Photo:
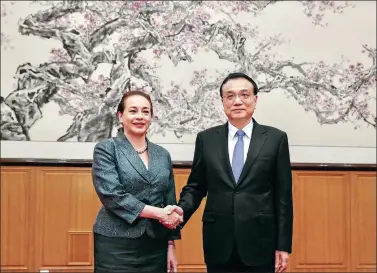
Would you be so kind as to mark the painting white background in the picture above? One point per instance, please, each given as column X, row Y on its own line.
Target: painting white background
column 309, row 141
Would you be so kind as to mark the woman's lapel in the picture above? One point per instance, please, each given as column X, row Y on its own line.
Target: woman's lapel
column 131, row 155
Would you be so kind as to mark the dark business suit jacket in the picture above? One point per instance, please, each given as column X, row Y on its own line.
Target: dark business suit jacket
column 124, row 185
column 256, row 213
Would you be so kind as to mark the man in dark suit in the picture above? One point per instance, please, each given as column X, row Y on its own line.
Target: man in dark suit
column 243, row 168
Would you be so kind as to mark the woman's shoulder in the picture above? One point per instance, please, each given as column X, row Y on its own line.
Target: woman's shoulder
column 107, row 143
column 159, row 149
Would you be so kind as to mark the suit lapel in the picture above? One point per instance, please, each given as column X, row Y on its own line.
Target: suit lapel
column 133, row 158
column 223, row 153
column 258, row 139
column 153, row 166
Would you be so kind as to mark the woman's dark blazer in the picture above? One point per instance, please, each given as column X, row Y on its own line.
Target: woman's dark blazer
column 124, row 185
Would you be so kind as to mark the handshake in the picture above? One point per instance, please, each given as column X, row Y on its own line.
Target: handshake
column 171, row 217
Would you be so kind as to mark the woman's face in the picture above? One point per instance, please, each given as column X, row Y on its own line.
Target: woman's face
column 136, row 116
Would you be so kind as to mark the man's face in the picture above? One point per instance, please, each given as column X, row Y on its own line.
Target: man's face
column 238, row 99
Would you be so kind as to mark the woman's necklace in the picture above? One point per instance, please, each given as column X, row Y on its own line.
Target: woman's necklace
column 144, row 150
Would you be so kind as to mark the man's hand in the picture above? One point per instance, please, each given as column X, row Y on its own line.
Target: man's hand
column 174, row 208
column 281, row 261
column 173, row 216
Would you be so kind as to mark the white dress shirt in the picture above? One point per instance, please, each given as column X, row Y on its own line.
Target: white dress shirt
column 232, row 139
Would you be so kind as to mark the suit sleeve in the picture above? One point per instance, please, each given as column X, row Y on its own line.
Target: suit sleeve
column 196, row 188
column 283, row 197
column 108, row 187
column 171, row 199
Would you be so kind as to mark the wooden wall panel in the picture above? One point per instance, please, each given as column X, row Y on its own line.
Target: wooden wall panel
column 47, row 215
column 321, row 230
column 66, row 208
column 16, row 206
column 189, row 248
column 363, row 222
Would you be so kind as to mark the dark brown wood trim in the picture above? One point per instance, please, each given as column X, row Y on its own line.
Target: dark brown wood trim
column 333, row 167
column 180, row 164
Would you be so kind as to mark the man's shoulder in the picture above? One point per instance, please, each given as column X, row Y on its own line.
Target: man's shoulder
column 215, row 129
column 211, row 130
column 271, row 130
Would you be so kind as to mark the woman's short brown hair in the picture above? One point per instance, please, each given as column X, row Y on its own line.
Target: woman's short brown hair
column 122, row 105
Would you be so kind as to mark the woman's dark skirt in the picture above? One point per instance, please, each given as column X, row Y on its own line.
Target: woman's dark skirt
column 143, row 254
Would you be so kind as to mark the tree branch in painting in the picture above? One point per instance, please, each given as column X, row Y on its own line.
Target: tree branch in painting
column 120, row 33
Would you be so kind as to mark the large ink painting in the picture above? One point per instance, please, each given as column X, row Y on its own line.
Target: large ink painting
column 66, row 64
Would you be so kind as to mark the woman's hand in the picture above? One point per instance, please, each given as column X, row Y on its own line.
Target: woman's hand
column 172, row 259
column 170, row 217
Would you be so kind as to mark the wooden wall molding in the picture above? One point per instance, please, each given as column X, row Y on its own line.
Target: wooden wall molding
column 79, row 246
column 47, row 213
column 180, row 164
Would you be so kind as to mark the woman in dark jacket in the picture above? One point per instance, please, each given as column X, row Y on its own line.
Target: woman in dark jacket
column 134, row 181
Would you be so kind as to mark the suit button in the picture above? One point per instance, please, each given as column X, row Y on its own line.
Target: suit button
column 236, row 192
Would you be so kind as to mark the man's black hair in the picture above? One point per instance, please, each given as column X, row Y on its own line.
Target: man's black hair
column 238, row 75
